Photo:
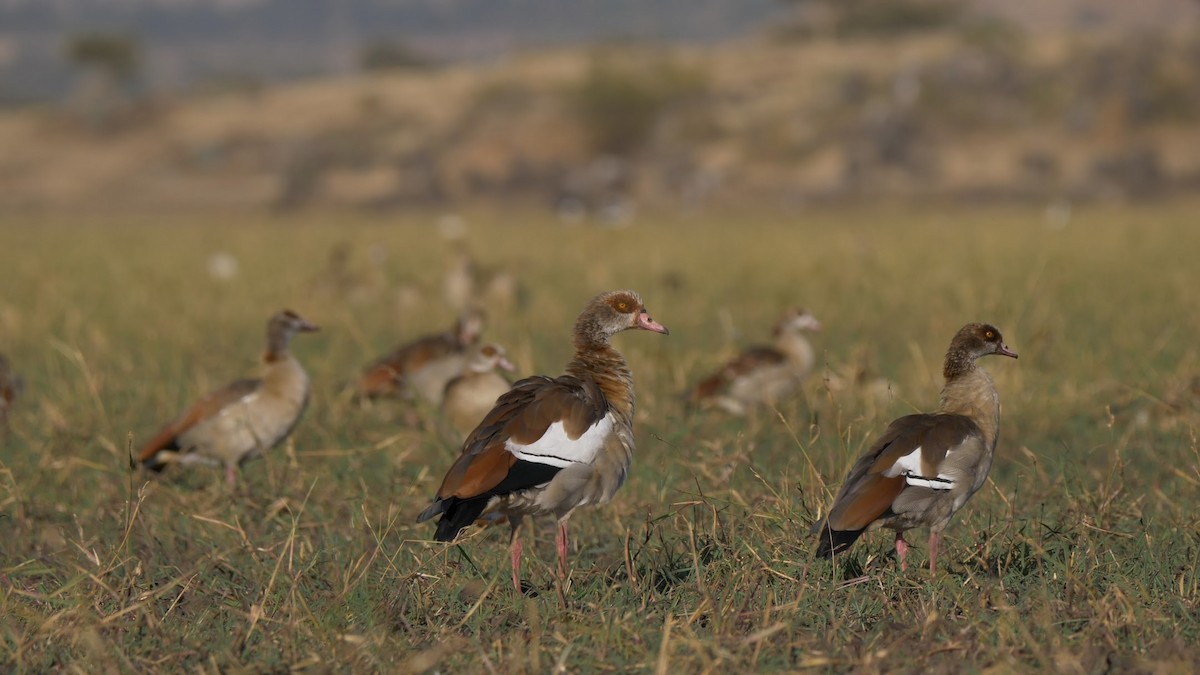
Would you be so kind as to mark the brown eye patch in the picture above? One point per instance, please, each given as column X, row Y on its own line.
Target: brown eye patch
column 488, row 350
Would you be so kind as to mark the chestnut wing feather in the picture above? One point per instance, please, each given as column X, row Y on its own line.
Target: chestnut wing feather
column 407, row 357
column 383, row 376
column 522, row 415
column 869, row 492
column 208, row 406
column 487, row 468
column 744, row 363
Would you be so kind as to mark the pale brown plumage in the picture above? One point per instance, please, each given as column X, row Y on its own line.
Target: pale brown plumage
column 473, row 393
column 925, row 467
column 422, row 368
column 763, row 375
column 243, row 418
column 551, row 445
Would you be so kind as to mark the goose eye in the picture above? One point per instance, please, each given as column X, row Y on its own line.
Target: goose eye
column 991, row 335
column 623, row 306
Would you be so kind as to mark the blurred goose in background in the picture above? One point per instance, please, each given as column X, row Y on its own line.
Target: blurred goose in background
column 857, row 379
column 926, row 466
column 243, row 418
column 422, row 368
column 347, row 279
column 473, row 393
column 468, row 283
column 11, row 386
column 763, row 375
column 551, row 445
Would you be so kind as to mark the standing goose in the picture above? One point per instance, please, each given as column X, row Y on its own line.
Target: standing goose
column 551, row 445
column 926, row 466
column 424, row 366
column 243, row 418
column 11, row 386
column 472, row 394
column 764, row 375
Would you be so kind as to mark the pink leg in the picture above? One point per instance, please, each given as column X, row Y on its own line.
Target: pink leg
column 231, row 475
column 902, row 551
column 560, row 543
column 935, row 540
column 515, row 545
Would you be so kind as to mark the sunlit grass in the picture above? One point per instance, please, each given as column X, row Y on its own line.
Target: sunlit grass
column 1079, row 553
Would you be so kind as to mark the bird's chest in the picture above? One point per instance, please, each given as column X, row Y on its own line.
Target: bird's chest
column 429, row 381
column 477, row 393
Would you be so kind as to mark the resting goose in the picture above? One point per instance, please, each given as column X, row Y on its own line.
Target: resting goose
column 763, row 375
column 423, row 367
column 243, row 418
column 473, row 393
column 925, row 467
column 551, row 445
column 467, row 282
column 11, row 386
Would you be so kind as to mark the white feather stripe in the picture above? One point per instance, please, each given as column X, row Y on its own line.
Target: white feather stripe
column 232, row 406
column 942, row 482
column 557, row 449
column 909, row 466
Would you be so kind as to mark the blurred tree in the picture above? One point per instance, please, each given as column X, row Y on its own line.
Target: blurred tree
column 117, row 55
column 873, row 18
column 620, row 103
column 109, row 64
column 391, row 55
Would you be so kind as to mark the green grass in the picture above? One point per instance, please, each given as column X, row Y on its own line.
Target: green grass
column 1078, row 555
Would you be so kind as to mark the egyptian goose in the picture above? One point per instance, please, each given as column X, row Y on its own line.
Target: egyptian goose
column 423, row 367
column 10, row 387
column 467, row 282
column 243, row 418
column 763, row 375
column 472, row 394
column 926, row 466
column 551, row 445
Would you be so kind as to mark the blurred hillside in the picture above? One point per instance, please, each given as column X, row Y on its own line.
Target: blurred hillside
column 198, row 43
column 194, row 43
column 812, row 108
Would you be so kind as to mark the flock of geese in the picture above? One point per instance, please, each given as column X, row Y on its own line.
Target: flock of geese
column 550, row 445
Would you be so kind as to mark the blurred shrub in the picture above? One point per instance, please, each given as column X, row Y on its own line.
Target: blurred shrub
column 115, row 54
column 107, row 65
column 619, row 103
column 894, row 17
column 391, row 55
column 1133, row 172
column 867, row 18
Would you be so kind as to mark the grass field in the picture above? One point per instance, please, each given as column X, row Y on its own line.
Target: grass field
column 1079, row 554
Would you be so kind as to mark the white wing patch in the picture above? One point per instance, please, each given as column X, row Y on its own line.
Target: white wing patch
column 906, row 465
column 232, row 406
column 909, row 466
column 557, row 449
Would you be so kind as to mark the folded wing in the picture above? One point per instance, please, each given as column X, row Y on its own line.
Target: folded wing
column 536, row 429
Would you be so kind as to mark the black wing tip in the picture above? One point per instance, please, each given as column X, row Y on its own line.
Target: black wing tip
column 436, row 508
column 152, row 464
column 447, row 530
column 457, row 515
column 835, row 541
column 155, row 462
